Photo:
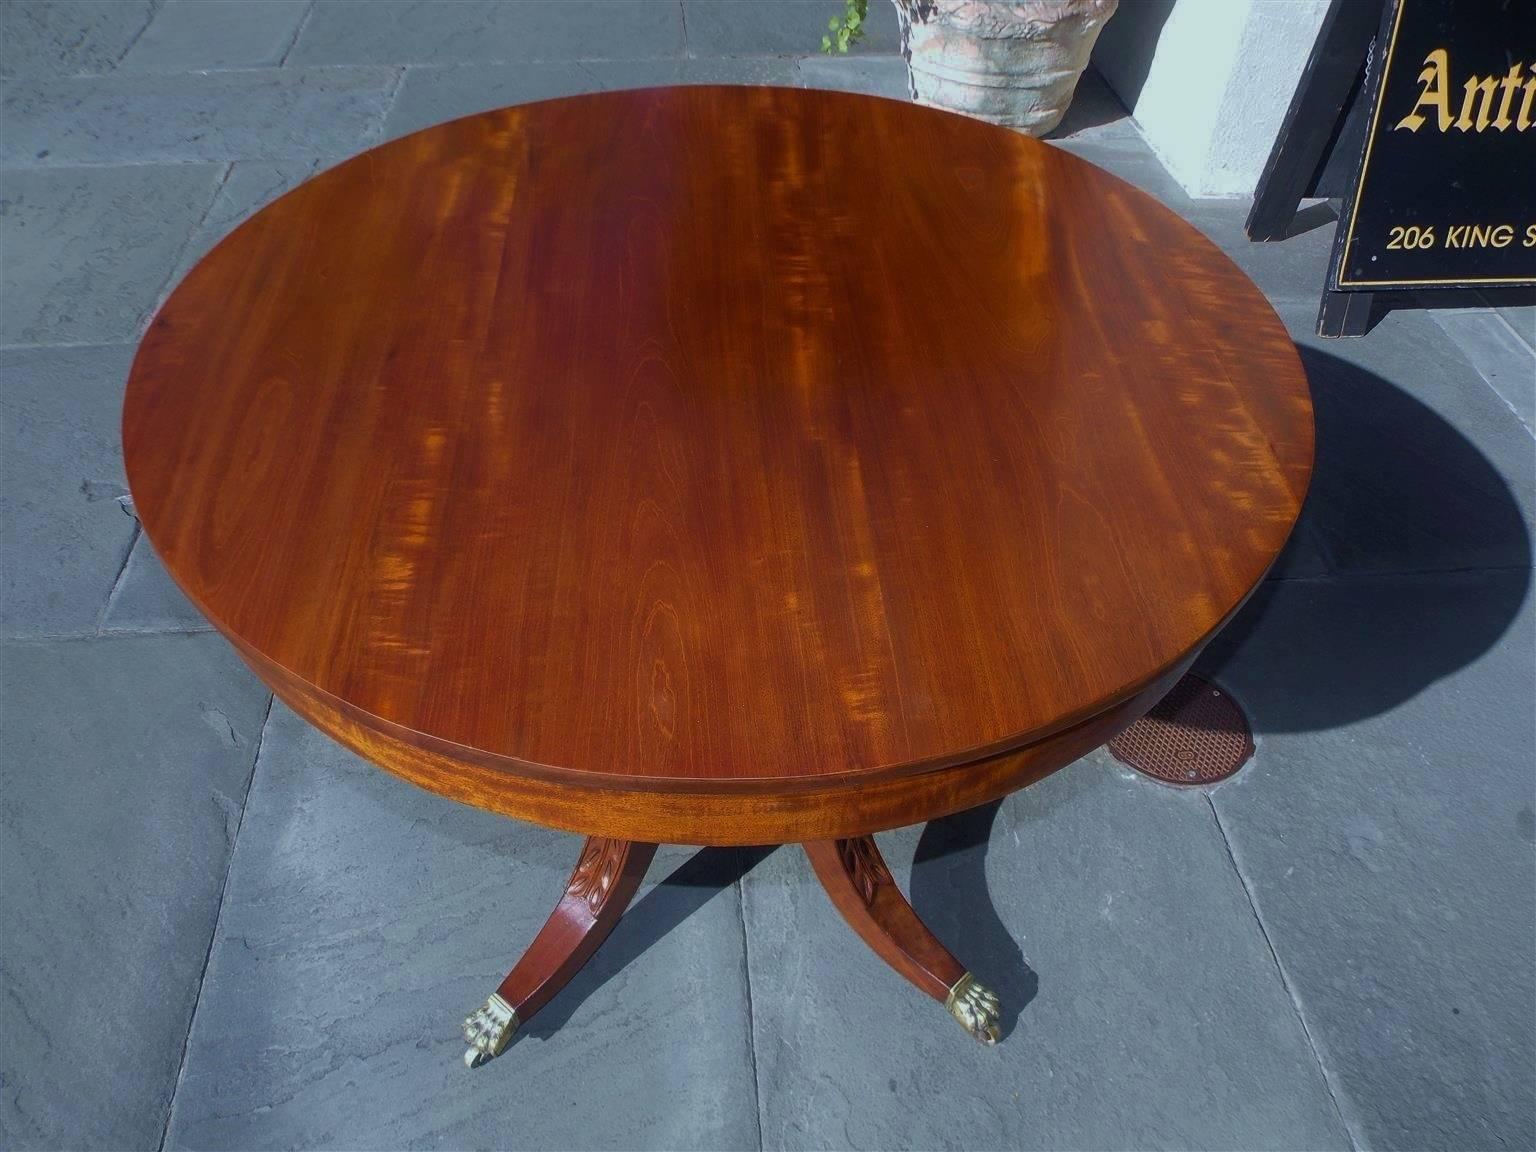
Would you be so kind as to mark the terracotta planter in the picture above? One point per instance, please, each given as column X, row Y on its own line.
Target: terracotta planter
column 1013, row 62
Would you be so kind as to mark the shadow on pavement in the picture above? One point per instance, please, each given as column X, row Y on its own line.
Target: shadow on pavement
column 684, row 891
column 1397, row 493
column 949, row 891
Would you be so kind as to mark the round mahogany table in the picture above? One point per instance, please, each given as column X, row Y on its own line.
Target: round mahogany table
column 718, row 466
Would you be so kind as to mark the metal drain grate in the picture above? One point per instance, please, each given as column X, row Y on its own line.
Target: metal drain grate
column 1196, row 734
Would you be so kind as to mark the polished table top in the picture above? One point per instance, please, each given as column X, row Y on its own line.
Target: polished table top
column 662, row 446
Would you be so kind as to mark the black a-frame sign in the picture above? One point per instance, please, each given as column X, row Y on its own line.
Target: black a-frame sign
column 1420, row 115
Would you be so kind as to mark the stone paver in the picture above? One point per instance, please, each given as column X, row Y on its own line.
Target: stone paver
column 1105, row 911
column 123, row 771
column 873, row 75
column 432, row 95
column 420, row 32
column 261, row 114
column 85, row 252
column 365, row 917
column 781, row 28
column 188, row 34
column 1501, row 357
column 63, row 531
column 146, row 599
column 68, row 37
column 1522, row 321
column 1387, row 831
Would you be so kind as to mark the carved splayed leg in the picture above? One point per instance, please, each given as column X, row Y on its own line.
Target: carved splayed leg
column 604, row 881
column 861, row 886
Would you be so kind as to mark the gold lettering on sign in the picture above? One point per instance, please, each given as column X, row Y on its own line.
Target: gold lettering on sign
column 1433, row 85
column 1467, row 236
column 1480, row 94
column 1475, row 87
column 1508, row 86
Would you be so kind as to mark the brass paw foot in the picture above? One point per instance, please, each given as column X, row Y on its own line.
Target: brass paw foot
column 976, row 1007
column 489, row 1029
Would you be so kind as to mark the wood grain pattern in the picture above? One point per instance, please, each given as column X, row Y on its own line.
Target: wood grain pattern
column 606, row 877
column 735, row 812
column 633, row 460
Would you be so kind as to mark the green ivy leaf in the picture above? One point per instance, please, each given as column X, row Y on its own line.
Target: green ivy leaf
column 847, row 30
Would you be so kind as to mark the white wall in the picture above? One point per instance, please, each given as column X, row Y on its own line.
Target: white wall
column 1208, row 81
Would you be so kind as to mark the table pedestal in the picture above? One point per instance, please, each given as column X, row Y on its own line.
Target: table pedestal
column 606, row 877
